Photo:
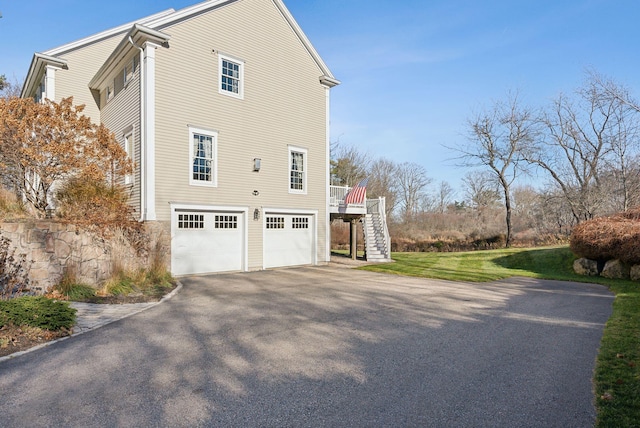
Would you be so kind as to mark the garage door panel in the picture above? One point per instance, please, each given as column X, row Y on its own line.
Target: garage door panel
column 206, row 242
column 288, row 240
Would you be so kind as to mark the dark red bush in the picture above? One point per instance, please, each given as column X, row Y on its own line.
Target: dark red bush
column 606, row 238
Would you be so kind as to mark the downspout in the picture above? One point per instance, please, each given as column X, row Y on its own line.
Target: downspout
column 143, row 136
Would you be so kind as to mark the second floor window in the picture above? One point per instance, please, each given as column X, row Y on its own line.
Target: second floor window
column 203, row 157
column 231, row 77
column 297, row 170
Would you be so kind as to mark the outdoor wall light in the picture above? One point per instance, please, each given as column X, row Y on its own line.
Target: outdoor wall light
column 256, row 164
column 256, row 214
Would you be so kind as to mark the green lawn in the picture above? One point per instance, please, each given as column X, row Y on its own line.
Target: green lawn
column 617, row 376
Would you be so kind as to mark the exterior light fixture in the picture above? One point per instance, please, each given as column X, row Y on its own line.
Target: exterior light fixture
column 256, row 214
column 256, row 164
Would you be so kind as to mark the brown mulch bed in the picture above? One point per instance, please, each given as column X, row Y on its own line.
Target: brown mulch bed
column 16, row 339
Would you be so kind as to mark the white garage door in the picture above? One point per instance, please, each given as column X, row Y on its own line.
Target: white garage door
column 288, row 240
column 207, row 241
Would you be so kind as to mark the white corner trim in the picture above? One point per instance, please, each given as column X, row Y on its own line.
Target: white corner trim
column 148, row 103
column 327, row 186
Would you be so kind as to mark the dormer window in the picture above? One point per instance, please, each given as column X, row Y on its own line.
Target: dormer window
column 231, row 73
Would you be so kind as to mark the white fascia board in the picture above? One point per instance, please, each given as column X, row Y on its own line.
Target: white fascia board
column 329, row 82
column 36, row 69
column 139, row 34
column 305, row 41
column 187, row 12
column 107, row 33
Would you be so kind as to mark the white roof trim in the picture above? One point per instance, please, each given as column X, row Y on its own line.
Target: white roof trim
column 187, row 12
column 305, row 41
column 38, row 63
column 107, row 33
column 139, row 34
column 168, row 17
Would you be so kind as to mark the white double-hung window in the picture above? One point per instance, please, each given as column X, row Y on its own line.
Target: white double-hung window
column 203, row 157
column 297, row 170
column 231, row 74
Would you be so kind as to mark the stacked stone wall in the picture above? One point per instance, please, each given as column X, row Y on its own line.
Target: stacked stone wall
column 51, row 248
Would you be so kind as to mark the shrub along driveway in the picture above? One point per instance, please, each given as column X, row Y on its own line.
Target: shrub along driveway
column 325, row 346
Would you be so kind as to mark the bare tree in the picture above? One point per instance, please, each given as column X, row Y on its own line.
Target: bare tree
column 496, row 138
column 578, row 143
column 348, row 165
column 383, row 183
column 625, row 143
column 443, row 197
column 412, row 182
column 527, row 206
column 480, row 190
column 9, row 88
column 556, row 214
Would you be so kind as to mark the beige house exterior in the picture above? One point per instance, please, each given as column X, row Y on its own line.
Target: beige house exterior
column 224, row 107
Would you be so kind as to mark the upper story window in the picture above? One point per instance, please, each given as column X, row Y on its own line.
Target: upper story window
column 297, row 170
column 121, row 79
column 203, row 157
column 129, row 69
column 231, row 76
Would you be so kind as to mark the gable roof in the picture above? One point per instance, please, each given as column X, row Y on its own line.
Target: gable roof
column 138, row 35
column 158, row 22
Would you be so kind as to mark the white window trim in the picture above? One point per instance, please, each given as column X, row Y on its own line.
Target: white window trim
column 305, row 159
column 130, row 149
column 240, row 94
column 214, row 174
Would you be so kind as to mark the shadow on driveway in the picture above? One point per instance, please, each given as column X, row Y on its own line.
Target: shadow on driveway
column 320, row 346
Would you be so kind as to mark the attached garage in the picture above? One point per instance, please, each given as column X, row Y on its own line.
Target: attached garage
column 289, row 238
column 208, row 239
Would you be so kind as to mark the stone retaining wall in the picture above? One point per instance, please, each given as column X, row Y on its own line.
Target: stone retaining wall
column 610, row 269
column 52, row 247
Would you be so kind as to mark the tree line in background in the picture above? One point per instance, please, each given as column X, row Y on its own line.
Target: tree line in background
column 585, row 146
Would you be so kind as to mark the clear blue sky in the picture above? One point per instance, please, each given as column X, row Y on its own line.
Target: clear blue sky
column 412, row 71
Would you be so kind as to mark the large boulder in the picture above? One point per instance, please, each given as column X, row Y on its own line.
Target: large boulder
column 586, row 267
column 615, row 269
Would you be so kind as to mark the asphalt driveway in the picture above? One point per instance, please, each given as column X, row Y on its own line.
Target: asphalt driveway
column 325, row 347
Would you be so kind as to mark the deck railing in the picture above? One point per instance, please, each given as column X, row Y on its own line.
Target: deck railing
column 337, row 195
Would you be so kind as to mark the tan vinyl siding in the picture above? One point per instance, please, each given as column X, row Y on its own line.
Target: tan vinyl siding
column 119, row 115
column 83, row 64
column 284, row 104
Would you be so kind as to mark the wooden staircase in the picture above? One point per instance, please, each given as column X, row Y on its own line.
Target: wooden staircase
column 376, row 234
